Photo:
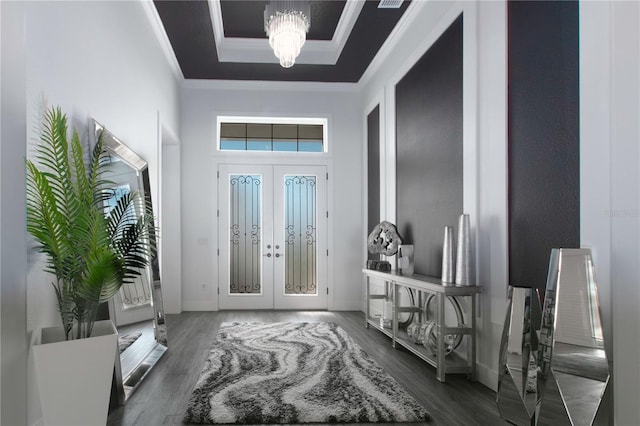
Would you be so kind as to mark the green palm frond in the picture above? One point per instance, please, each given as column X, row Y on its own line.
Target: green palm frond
column 90, row 255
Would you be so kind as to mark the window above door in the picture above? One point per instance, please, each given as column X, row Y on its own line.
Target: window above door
column 290, row 135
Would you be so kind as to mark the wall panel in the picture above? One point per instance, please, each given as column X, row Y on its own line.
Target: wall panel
column 429, row 149
column 543, row 126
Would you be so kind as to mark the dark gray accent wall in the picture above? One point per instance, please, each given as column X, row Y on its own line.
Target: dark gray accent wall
column 544, row 145
column 373, row 171
column 429, row 149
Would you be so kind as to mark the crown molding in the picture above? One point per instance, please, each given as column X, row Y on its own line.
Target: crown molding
column 247, row 50
column 156, row 24
column 391, row 42
column 255, row 85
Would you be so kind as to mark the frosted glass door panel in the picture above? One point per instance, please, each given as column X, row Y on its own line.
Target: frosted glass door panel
column 245, row 232
column 300, row 225
column 300, row 235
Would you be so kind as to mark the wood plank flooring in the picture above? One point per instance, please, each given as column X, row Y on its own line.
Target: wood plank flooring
column 162, row 398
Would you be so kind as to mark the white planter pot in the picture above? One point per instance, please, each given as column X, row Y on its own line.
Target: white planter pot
column 74, row 376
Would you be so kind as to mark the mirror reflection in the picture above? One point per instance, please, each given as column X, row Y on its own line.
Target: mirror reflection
column 136, row 310
column 574, row 370
column 517, row 396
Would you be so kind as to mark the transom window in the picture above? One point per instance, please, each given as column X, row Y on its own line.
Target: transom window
column 272, row 136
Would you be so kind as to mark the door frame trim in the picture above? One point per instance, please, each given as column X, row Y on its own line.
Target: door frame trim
column 258, row 158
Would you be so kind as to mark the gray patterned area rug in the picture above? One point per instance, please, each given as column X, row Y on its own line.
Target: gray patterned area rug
column 127, row 340
column 285, row 373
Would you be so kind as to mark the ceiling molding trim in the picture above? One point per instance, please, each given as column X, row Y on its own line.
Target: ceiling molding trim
column 253, row 50
column 390, row 43
column 253, row 85
column 215, row 10
column 161, row 35
column 348, row 19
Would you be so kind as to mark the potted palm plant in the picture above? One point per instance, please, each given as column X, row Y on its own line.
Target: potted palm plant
column 90, row 253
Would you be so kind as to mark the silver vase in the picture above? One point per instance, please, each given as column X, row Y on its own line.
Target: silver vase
column 463, row 258
column 447, row 256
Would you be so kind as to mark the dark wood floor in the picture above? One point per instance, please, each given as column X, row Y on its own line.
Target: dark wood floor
column 162, row 398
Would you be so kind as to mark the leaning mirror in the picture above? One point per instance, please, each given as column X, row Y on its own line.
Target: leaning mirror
column 136, row 310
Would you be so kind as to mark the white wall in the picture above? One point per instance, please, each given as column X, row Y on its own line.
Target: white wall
column 201, row 103
column 484, row 141
column 13, row 262
column 170, row 224
column 100, row 60
column 610, row 183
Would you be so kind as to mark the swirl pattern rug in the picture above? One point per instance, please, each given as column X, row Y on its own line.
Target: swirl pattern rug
column 127, row 340
column 283, row 373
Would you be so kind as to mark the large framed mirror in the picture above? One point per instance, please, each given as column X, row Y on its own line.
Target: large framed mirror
column 137, row 310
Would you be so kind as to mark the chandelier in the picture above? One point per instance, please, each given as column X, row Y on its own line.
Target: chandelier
column 286, row 23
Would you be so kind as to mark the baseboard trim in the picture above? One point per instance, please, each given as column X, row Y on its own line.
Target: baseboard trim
column 487, row 376
column 197, row 305
column 345, row 308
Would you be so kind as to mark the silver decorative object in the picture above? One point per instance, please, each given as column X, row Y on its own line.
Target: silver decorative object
column 424, row 327
column 384, row 239
column 429, row 337
column 463, row 259
column 447, row 256
column 572, row 362
column 453, row 318
column 412, row 329
column 517, row 396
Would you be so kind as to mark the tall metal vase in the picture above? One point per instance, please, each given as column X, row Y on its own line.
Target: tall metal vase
column 463, row 259
column 447, row 256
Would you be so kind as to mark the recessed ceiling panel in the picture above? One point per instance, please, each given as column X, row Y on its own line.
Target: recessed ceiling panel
column 190, row 32
column 245, row 19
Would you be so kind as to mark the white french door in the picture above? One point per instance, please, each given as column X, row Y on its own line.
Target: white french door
column 272, row 237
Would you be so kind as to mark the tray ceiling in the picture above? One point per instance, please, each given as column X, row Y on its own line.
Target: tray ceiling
column 221, row 39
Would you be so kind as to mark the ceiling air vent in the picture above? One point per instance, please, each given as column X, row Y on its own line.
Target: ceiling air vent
column 390, row 4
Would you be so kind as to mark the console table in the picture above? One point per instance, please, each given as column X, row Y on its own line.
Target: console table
column 423, row 287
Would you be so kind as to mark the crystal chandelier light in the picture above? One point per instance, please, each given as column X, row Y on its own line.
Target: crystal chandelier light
column 286, row 23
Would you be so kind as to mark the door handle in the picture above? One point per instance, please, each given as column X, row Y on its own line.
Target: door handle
column 269, row 255
column 277, row 254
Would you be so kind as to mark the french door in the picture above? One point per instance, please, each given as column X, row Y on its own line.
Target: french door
column 272, row 237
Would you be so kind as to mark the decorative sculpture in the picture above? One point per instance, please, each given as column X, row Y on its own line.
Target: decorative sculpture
column 384, row 239
column 572, row 361
column 517, row 396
